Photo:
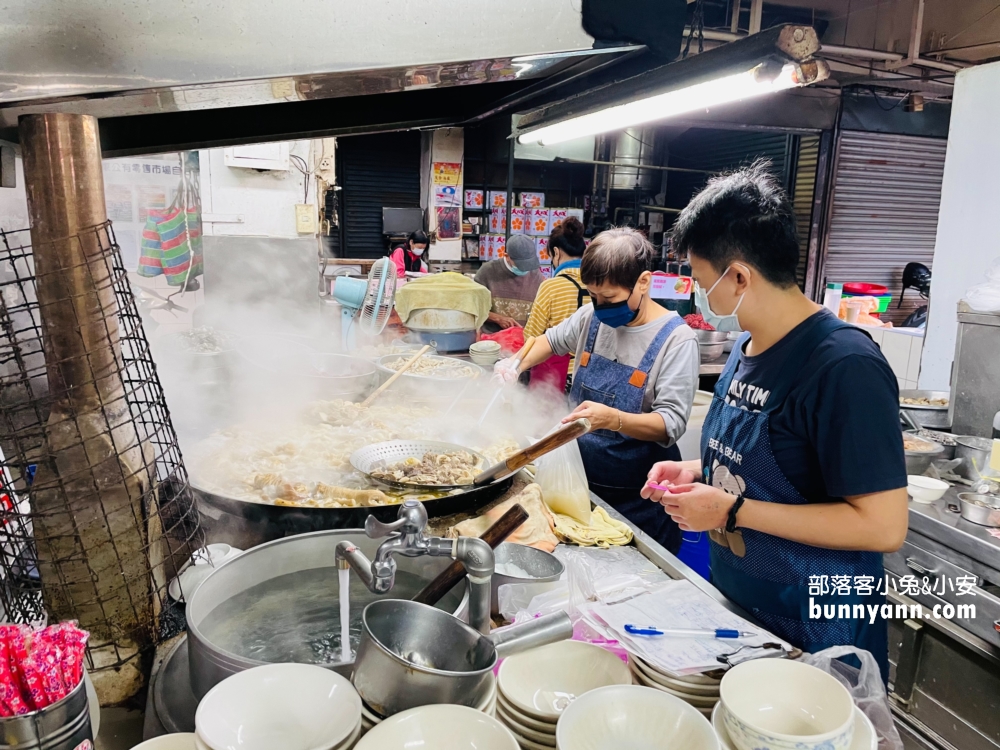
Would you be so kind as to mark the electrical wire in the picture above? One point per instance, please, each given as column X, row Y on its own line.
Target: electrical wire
column 301, row 165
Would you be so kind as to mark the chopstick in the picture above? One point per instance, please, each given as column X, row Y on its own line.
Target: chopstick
column 399, row 372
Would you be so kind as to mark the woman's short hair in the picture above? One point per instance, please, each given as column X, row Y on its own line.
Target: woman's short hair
column 617, row 256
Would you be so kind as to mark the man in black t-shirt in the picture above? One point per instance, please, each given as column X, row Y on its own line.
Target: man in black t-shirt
column 802, row 478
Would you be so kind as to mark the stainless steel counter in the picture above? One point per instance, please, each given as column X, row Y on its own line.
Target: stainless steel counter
column 936, row 522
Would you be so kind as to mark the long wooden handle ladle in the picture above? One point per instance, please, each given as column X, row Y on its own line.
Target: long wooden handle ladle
column 409, row 363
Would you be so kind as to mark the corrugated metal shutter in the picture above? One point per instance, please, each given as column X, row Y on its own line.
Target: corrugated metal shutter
column 802, row 198
column 886, row 195
column 720, row 150
column 376, row 171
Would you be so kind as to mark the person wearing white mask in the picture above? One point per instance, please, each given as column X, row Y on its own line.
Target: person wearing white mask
column 802, row 478
column 410, row 257
column 513, row 281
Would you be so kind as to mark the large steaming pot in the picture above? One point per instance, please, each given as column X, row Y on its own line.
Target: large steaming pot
column 210, row 664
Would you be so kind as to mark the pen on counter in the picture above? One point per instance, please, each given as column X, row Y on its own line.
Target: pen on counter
column 650, row 632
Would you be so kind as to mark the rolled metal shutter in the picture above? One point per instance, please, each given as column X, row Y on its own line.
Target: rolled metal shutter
column 885, row 201
column 376, row 171
column 802, row 198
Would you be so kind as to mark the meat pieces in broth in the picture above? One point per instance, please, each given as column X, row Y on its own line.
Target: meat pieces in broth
column 434, row 469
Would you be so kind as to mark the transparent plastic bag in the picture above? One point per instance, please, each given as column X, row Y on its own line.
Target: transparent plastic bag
column 985, row 297
column 865, row 686
column 564, row 482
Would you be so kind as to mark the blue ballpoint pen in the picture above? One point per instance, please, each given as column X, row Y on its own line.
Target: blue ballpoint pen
column 649, row 631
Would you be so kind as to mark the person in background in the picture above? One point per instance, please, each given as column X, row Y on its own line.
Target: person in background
column 802, row 477
column 409, row 257
column 558, row 298
column 513, row 281
column 635, row 379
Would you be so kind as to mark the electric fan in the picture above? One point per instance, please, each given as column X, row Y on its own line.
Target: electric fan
column 366, row 304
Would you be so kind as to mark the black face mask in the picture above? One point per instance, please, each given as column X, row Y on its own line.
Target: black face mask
column 616, row 314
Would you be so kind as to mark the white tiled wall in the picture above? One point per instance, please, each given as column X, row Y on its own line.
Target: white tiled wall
column 902, row 349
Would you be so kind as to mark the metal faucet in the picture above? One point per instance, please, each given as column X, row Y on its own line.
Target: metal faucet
column 406, row 537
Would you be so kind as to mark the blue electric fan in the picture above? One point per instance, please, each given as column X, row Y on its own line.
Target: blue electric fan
column 366, row 305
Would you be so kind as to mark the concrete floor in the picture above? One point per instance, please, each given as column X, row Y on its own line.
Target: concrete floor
column 121, row 729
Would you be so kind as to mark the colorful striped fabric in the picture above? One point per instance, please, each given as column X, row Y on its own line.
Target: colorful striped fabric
column 170, row 247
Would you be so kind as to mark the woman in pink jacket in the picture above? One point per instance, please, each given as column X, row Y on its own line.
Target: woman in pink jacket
column 409, row 257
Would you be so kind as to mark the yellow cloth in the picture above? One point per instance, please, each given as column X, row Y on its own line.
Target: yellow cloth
column 603, row 530
column 556, row 300
column 444, row 291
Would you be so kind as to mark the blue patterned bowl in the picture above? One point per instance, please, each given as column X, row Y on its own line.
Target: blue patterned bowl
column 779, row 704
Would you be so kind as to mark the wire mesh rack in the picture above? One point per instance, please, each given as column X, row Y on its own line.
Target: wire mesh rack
column 96, row 515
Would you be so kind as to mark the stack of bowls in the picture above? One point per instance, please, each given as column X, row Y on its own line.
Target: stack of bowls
column 631, row 716
column 698, row 690
column 287, row 706
column 484, row 353
column 711, row 344
column 535, row 687
column 488, row 706
column 788, row 705
column 439, row 727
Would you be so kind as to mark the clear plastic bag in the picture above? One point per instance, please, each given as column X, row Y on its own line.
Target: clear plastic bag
column 865, row 686
column 564, row 482
column 985, row 297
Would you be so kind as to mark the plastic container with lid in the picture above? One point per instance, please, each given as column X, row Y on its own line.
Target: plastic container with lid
column 864, row 289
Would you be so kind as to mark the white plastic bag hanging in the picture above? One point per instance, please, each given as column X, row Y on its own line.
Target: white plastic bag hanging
column 563, row 481
column 865, row 686
column 985, row 297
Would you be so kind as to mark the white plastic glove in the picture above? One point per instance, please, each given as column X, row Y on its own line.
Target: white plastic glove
column 505, row 371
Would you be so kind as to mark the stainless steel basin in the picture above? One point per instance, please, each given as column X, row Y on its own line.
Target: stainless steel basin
column 306, row 557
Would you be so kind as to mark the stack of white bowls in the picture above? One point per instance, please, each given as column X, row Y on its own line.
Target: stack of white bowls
column 701, row 691
column 488, row 706
column 534, row 688
column 484, row 353
column 632, row 716
column 287, row 706
column 781, row 704
column 439, row 727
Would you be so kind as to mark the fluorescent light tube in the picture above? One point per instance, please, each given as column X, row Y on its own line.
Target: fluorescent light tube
column 712, row 93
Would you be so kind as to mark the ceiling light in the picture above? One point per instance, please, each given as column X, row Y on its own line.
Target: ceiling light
column 757, row 81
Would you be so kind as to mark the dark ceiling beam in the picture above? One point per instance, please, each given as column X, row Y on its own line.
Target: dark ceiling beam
column 354, row 115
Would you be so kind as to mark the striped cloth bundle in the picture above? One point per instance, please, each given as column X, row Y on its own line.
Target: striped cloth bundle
column 171, row 247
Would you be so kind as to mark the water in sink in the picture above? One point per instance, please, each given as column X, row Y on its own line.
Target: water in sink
column 296, row 617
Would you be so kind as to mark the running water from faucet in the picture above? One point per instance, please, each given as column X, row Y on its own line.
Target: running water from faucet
column 345, row 614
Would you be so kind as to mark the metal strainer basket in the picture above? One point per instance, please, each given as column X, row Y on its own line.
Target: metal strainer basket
column 380, row 455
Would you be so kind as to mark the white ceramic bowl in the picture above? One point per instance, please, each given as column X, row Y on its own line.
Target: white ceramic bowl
column 631, row 716
column 547, row 727
column 168, row 742
column 925, row 489
column 701, row 702
column 864, row 738
column 782, row 704
column 679, row 686
column 439, row 727
column 542, row 682
column 291, row 706
column 522, row 732
column 486, row 346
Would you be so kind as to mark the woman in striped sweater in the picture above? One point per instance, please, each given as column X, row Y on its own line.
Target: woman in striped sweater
column 558, row 298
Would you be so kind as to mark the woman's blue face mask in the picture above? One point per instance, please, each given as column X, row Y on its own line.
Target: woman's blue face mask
column 616, row 314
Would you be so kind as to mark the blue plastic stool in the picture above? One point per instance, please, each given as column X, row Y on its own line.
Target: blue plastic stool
column 694, row 552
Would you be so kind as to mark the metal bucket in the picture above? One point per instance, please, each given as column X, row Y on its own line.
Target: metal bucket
column 210, row 663
column 65, row 725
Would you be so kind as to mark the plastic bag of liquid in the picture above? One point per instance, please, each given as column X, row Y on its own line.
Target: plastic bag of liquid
column 865, row 686
column 985, row 297
column 563, row 481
